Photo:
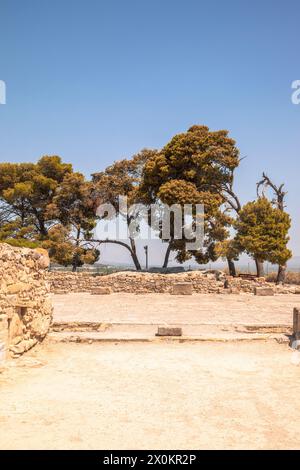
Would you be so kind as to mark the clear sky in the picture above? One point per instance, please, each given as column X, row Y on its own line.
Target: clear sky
column 94, row 81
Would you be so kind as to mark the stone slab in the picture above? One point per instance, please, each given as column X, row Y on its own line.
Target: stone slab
column 101, row 291
column 263, row 291
column 182, row 288
column 169, row 331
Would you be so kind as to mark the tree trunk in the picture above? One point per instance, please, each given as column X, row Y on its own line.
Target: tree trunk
column 259, row 268
column 134, row 255
column 167, row 255
column 76, row 260
column 281, row 273
column 125, row 245
column 136, row 261
column 231, row 267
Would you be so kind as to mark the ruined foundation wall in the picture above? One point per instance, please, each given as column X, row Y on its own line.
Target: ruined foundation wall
column 25, row 305
column 132, row 282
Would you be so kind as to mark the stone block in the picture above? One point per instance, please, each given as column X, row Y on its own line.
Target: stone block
column 168, row 331
column 234, row 290
column 101, row 291
column 263, row 291
column 43, row 258
column 182, row 288
column 18, row 287
column 296, row 323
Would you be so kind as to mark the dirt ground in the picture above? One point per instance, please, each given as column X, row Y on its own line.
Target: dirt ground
column 160, row 308
column 152, row 396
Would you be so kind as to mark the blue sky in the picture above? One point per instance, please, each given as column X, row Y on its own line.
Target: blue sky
column 96, row 81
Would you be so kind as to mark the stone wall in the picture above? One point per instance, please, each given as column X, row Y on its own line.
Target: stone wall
column 132, row 282
column 25, row 305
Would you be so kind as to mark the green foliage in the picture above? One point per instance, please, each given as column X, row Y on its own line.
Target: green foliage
column 262, row 231
column 193, row 168
column 199, row 156
column 47, row 204
column 15, row 234
column 28, row 188
column 122, row 178
column 62, row 249
column 36, row 197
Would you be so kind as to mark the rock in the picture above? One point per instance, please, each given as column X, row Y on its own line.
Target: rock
column 182, row 288
column 101, row 291
column 43, row 260
column 263, row 291
column 168, row 331
column 26, row 311
column 234, row 290
column 17, row 288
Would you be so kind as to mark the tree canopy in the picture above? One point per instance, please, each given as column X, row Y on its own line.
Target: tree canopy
column 193, row 168
column 262, row 231
column 47, row 204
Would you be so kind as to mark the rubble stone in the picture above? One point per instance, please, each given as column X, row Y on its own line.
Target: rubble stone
column 202, row 282
column 25, row 306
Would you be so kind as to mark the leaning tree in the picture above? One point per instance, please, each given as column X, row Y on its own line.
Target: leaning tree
column 122, row 178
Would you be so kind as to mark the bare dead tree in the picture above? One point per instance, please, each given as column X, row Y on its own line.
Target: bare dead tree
column 279, row 194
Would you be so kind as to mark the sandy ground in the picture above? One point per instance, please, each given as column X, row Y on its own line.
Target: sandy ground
column 157, row 396
column 161, row 308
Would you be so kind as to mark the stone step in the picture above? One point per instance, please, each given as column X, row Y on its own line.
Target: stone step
column 110, row 336
column 150, row 329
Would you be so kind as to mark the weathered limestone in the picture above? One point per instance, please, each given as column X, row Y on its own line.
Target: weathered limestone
column 263, row 291
column 182, row 288
column 168, row 331
column 296, row 323
column 25, row 307
column 101, row 291
column 202, row 282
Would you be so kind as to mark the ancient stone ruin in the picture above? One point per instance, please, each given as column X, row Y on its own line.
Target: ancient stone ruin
column 25, row 306
column 201, row 282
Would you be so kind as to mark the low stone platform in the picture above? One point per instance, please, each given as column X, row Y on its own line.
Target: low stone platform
column 164, row 308
column 84, row 317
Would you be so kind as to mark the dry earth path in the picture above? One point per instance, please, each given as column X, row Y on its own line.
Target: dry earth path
column 161, row 308
column 148, row 395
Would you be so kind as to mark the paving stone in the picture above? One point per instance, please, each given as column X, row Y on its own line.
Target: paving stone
column 168, row 331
